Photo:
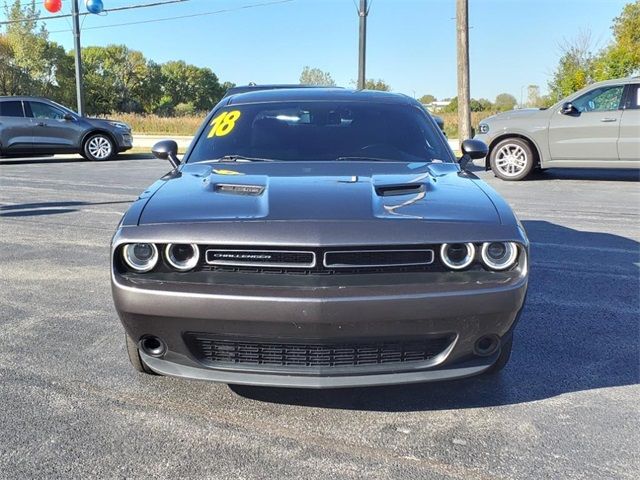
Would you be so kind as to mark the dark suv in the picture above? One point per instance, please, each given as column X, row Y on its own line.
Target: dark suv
column 32, row 125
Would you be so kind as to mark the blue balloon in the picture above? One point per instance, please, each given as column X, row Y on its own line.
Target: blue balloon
column 94, row 6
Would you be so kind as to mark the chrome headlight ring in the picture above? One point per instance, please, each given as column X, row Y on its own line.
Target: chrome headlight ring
column 176, row 260
column 464, row 262
column 503, row 261
column 143, row 260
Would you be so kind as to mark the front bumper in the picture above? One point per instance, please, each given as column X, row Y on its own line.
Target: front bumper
column 125, row 141
column 463, row 306
column 176, row 369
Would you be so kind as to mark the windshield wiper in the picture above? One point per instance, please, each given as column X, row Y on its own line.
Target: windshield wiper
column 238, row 158
column 365, row 159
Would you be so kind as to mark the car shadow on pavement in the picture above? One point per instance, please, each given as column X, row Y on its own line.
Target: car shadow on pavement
column 586, row 174
column 578, row 331
column 48, row 208
column 603, row 174
column 72, row 159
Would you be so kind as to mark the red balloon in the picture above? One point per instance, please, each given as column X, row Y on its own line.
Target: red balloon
column 53, row 6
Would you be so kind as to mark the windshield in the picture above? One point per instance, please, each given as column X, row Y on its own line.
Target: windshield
column 320, row 131
column 63, row 108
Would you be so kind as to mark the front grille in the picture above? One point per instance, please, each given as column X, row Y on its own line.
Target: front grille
column 377, row 258
column 320, row 261
column 221, row 352
column 261, row 258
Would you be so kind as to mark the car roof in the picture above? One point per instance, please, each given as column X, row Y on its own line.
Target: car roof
column 615, row 81
column 24, row 98
column 277, row 86
column 317, row 94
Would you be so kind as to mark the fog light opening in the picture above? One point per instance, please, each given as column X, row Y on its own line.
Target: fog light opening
column 486, row 345
column 153, row 346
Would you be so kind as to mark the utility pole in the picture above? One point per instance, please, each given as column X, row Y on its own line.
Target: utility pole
column 362, row 13
column 78, row 54
column 464, row 109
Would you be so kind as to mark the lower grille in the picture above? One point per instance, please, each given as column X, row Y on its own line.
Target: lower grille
column 217, row 351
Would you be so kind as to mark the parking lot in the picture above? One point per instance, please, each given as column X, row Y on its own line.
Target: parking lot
column 71, row 406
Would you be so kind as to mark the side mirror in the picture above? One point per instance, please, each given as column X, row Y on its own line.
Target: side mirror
column 472, row 149
column 68, row 117
column 167, row 150
column 568, row 109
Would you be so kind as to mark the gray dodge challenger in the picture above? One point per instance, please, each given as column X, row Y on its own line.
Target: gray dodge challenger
column 319, row 238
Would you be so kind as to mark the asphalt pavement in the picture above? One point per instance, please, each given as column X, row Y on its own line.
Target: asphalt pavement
column 567, row 406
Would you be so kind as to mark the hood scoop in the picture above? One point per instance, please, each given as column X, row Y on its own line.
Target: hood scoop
column 239, row 189
column 400, row 189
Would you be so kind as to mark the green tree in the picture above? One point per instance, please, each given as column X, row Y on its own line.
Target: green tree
column 185, row 83
column 480, row 105
column 59, row 82
column 379, row 84
column 452, row 107
column 227, row 86
column 622, row 57
column 505, row 101
column 115, row 79
column 152, row 94
column 12, row 78
column 28, row 45
column 427, row 99
column 315, row 76
column 484, row 105
column 575, row 67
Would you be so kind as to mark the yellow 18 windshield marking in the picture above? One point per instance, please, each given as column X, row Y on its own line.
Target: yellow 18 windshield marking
column 223, row 124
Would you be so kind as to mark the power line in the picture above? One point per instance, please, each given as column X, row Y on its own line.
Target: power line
column 106, row 10
column 178, row 17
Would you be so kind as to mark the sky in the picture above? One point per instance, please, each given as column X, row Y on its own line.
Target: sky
column 411, row 44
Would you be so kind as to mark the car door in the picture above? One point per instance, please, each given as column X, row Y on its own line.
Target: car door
column 15, row 127
column 51, row 131
column 629, row 141
column 590, row 133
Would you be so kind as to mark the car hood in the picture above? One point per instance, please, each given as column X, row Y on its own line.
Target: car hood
column 102, row 122
column 318, row 191
column 514, row 114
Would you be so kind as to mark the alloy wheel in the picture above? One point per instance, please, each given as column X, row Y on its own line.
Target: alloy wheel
column 511, row 160
column 99, row 147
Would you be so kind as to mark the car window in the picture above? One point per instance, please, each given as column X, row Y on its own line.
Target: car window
column 633, row 100
column 42, row 110
column 600, row 99
column 322, row 130
column 11, row 109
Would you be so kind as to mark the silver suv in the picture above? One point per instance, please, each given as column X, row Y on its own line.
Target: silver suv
column 596, row 127
column 32, row 125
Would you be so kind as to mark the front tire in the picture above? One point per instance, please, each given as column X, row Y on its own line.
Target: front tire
column 512, row 159
column 98, row 147
column 134, row 357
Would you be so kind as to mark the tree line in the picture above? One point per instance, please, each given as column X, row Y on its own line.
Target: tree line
column 116, row 78
column 579, row 65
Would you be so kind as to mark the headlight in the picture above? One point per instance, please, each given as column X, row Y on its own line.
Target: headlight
column 483, row 128
column 499, row 255
column 182, row 256
column 141, row 257
column 457, row 255
column 120, row 125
